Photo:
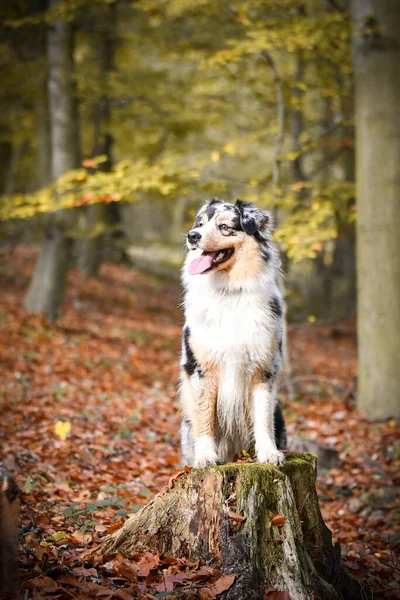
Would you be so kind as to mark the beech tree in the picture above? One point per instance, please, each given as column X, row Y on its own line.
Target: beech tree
column 190, row 99
column 376, row 58
column 48, row 283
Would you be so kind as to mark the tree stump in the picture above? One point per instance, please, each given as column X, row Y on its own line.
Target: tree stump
column 260, row 522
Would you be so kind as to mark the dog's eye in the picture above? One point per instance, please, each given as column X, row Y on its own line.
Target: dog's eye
column 224, row 227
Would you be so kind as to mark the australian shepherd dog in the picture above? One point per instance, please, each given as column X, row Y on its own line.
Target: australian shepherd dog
column 232, row 337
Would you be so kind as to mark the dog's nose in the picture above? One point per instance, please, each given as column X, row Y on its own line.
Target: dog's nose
column 193, row 236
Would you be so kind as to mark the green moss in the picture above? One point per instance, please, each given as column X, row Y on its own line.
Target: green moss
column 298, row 462
column 257, row 488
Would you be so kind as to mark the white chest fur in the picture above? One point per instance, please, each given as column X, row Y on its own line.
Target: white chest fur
column 234, row 327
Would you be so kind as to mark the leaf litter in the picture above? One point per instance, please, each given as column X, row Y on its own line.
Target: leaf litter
column 89, row 428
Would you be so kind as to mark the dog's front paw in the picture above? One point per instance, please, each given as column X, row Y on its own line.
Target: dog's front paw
column 204, row 461
column 204, row 452
column 271, row 457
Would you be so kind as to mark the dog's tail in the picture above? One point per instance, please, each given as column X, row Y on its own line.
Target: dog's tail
column 280, row 428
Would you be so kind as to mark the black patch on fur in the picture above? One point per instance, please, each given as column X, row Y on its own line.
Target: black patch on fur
column 211, row 210
column 236, row 223
column 191, row 364
column 215, row 201
column 276, row 307
column 280, row 347
column 268, row 375
column 248, row 223
column 265, row 251
column 279, row 428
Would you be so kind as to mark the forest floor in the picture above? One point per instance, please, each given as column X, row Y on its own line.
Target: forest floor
column 89, row 426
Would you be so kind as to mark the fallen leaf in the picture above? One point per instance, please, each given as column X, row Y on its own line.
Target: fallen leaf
column 174, row 477
column 222, row 584
column 273, row 594
column 235, row 517
column 62, row 429
column 115, row 526
column 206, row 594
column 278, row 520
column 43, row 583
column 82, row 572
column 125, row 569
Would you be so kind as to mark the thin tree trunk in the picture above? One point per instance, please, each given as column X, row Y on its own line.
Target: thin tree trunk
column 15, row 159
column 48, row 284
column 43, row 135
column 92, row 248
column 297, row 121
column 376, row 61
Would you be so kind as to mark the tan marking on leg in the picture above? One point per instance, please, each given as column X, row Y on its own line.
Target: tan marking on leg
column 203, row 406
column 185, row 393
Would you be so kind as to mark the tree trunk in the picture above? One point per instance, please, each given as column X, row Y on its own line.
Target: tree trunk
column 43, row 134
column 198, row 518
column 47, row 287
column 9, row 510
column 376, row 58
column 92, row 248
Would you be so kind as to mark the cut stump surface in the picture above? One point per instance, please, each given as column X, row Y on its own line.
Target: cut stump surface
column 260, row 522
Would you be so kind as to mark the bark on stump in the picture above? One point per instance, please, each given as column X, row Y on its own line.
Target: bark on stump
column 191, row 519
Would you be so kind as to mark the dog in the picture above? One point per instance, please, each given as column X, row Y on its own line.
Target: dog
column 231, row 355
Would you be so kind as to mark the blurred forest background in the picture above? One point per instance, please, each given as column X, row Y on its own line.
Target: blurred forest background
column 117, row 119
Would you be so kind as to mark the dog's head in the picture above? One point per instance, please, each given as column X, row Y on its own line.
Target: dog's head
column 225, row 234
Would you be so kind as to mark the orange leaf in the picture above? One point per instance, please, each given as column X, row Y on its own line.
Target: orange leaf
column 89, row 164
column 124, row 569
column 206, row 594
column 114, row 526
column 44, row 583
column 235, row 517
column 278, row 520
column 187, row 469
column 222, row 584
column 173, row 477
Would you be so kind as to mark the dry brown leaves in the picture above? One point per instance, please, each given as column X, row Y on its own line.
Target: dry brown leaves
column 107, row 372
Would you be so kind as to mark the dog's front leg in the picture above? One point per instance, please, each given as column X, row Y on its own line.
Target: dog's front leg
column 263, row 400
column 202, row 416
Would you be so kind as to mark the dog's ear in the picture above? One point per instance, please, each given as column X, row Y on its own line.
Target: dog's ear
column 252, row 218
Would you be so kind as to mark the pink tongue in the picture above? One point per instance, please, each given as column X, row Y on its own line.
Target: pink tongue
column 201, row 264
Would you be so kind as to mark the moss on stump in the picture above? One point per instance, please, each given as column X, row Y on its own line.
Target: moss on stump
column 282, row 541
